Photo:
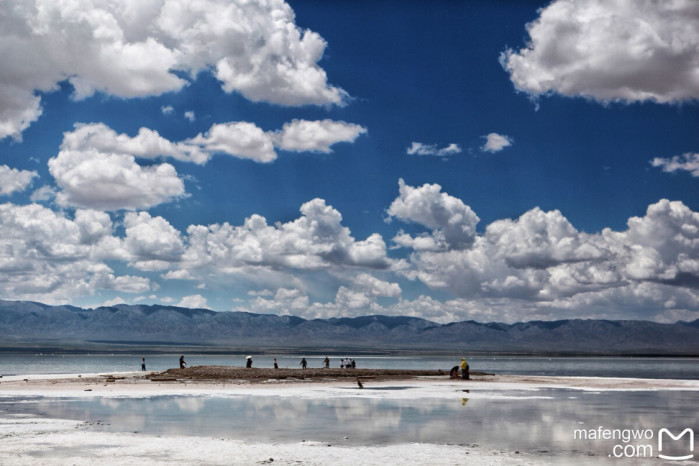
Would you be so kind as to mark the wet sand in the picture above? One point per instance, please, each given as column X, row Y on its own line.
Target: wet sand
column 210, row 380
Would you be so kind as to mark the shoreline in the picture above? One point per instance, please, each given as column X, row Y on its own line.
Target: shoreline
column 80, row 348
column 214, row 380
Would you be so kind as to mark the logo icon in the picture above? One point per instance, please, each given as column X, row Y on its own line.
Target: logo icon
column 675, row 437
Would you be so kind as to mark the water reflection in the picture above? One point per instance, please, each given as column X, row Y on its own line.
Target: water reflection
column 513, row 420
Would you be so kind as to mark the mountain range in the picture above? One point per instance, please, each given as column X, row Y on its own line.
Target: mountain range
column 31, row 325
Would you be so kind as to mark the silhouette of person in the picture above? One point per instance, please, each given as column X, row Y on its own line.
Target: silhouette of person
column 303, row 363
column 464, row 369
column 143, row 364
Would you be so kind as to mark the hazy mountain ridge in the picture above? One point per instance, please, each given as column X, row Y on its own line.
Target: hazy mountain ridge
column 136, row 323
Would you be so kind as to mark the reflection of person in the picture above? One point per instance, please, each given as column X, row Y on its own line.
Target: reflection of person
column 248, row 364
column 464, row 369
column 183, row 364
column 326, row 362
column 276, row 366
column 303, row 363
column 143, row 364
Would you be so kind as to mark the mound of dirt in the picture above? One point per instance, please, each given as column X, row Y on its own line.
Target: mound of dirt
column 257, row 374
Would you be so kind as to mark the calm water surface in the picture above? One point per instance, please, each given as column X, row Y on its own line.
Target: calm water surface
column 666, row 368
column 541, row 422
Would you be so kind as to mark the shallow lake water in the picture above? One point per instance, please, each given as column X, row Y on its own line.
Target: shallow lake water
column 545, row 422
column 638, row 367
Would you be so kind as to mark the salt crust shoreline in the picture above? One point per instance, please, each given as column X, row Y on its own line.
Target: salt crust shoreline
column 56, row 442
column 135, row 384
column 29, row 440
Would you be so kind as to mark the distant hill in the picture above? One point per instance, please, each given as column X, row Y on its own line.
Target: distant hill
column 22, row 323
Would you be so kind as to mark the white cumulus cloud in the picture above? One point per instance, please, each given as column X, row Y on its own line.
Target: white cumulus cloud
column 151, row 241
column 611, row 50
column 135, row 49
column 147, row 143
column 539, row 266
column 495, row 142
column 688, row 162
column 13, row 180
column 316, row 240
column 546, row 265
column 195, row 301
column 316, row 136
column 418, row 148
column 240, row 139
column 43, row 194
column 111, row 181
column 535, row 266
column 452, row 223
column 97, row 167
column 377, row 287
column 48, row 257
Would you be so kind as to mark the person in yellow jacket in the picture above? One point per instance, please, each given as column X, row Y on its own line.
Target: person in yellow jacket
column 464, row 369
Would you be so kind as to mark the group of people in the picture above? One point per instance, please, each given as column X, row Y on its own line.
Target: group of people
column 345, row 363
column 348, row 363
column 248, row 363
column 303, row 363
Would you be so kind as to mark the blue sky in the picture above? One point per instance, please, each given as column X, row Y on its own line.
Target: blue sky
column 496, row 161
